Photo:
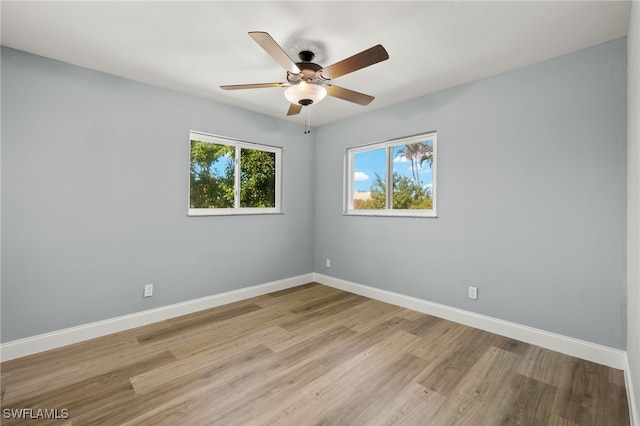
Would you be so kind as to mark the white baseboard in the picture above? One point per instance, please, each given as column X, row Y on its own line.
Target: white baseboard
column 68, row 336
column 604, row 355
column 592, row 352
column 634, row 414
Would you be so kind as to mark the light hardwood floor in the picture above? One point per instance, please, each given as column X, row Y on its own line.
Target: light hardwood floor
column 311, row 355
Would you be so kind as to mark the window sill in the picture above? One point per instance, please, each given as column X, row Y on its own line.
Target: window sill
column 231, row 212
column 392, row 213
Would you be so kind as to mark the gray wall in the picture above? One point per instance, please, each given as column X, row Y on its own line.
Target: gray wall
column 94, row 199
column 531, row 205
column 531, row 198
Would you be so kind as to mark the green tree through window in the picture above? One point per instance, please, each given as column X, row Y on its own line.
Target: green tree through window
column 257, row 178
column 230, row 177
column 212, row 175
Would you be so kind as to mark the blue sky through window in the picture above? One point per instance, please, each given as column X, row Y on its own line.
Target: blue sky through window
column 368, row 163
column 220, row 166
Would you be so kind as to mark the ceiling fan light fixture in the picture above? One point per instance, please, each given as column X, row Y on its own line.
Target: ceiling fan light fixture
column 305, row 93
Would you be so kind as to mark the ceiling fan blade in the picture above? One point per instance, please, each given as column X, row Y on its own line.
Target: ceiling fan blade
column 348, row 95
column 252, row 86
column 275, row 51
column 358, row 61
column 294, row 109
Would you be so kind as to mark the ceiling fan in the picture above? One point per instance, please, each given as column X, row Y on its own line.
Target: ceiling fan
column 308, row 83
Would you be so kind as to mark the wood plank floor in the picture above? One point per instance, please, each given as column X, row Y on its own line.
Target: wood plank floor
column 310, row 355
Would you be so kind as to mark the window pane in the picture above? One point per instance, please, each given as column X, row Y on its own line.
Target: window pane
column 257, row 178
column 369, row 179
column 413, row 176
column 393, row 178
column 212, row 175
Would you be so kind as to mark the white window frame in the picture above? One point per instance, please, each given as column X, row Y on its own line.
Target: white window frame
column 388, row 146
column 239, row 145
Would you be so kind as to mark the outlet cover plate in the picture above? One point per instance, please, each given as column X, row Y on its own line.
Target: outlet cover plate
column 148, row 290
column 473, row 293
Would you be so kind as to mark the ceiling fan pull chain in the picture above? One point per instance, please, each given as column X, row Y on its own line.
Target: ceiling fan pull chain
column 307, row 122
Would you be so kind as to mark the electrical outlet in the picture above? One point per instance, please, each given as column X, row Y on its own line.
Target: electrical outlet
column 473, row 293
column 148, row 290
column 327, row 263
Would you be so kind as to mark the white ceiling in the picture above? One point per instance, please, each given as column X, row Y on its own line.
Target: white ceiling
column 194, row 47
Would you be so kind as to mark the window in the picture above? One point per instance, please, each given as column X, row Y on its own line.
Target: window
column 233, row 177
column 408, row 163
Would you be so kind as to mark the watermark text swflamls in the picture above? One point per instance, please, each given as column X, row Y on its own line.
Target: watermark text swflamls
column 35, row 413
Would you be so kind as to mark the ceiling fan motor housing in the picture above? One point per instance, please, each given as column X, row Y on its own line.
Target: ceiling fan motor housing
column 309, row 73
